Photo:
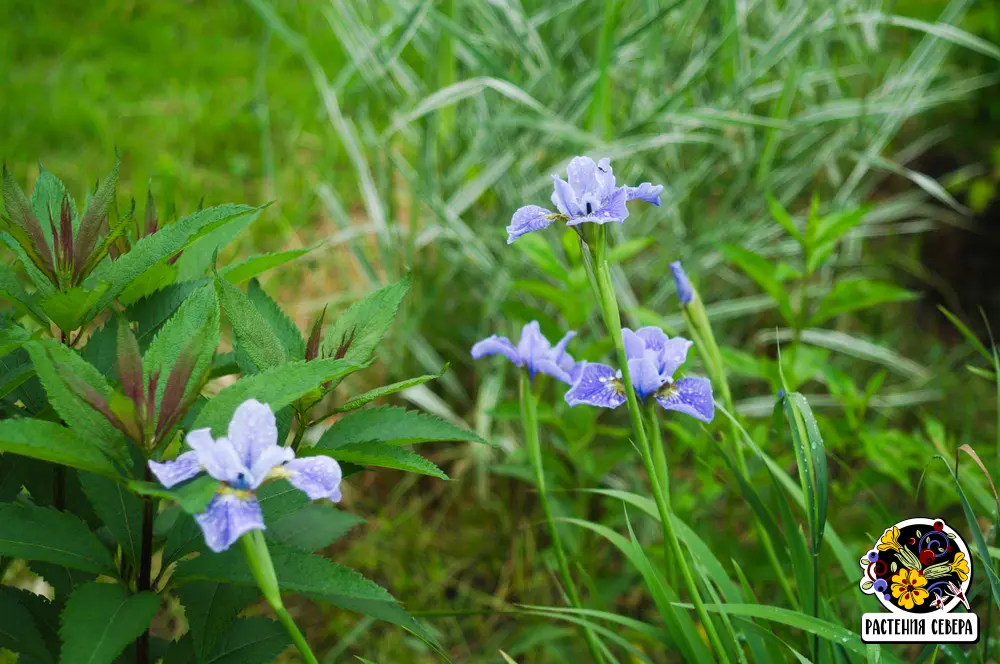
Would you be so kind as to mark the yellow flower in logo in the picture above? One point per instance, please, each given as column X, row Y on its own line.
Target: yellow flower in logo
column 890, row 540
column 908, row 588
column 960, row 566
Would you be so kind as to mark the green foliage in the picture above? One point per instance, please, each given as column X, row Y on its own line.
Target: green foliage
column 48, row 441
column 193, row 496
column 383, row 455
column 20, row 632
column 211, row 608
column 357, row 331
column 119, row 510
column 394, row 426
column 284, row 328
column 312, row 527
column 253, row 334
column 101, row 619
column 41, row 533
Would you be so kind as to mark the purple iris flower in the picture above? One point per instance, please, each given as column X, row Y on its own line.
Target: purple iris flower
column 591, row 195
column 685, row 291
column 533, row 352
column 652, row 360
column 244, row 460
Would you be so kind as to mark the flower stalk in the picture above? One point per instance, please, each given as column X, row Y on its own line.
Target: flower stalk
column 259, row 561
column 612, row 320
column 529, row 421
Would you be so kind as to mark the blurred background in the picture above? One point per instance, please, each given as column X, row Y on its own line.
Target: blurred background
column 402, row 134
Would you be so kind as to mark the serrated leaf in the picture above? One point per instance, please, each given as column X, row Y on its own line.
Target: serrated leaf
column 197, row 257
column 92, row 218
column 48, row 441
column 13, row 292
column 62, row 373
column 46, row 196
column 255, row 265
column 250, row 641
column 193, row 496
column 277, row 387
column 280, row 499
column 291, row 338
column 184, row 537
column 197, row 318
column 312, row 527
column 850, row 295
column 119, row 510
column 42, row 533
column 309, row 575
column 210, row 608
column 101, row 619
column 162, row 244
column 24, row 220
column 19, row 631
column 386, row 390
column 253, row 334
column 395, row 426
column 70, row 309
column 382, row 455
column 357, row 331
column 13, row 237
column 156, row 278
column 153, row 311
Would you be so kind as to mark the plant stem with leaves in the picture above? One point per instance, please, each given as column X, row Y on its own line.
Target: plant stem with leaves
column 529, row 420
column 612, row 319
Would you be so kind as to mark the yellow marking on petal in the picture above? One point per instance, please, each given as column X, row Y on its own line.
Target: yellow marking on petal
column 242, row 494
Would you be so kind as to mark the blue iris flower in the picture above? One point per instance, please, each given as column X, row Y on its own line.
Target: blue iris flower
column 533, row 352
column 591, row 195
column 652, row 360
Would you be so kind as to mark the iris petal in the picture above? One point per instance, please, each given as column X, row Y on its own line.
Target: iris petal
column 181, row 469
column 526, row 220
column 316, row 476
column 227, row 518
column 494, row 345
column 691, row 396
column 252, row 431
column 595, row 387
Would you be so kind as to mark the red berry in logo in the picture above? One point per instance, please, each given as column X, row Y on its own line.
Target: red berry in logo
column 939, row 525
column 926, row 557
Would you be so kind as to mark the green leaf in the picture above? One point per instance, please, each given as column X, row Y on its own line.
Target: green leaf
column 855, row 294
column 41, row 533
column 780, row 215
column 197, row 318
column 13, row 292
column 250, row 641
column 47, row 197
column 313, row 527
column 386, row 390
column 162, row 244
column 764, row 273
column 254, row 336
column 828, row 231
column 158, row 277
column 119, row 510
column 101, row 619
column 210, row 608
column 277, row 387
column 19, row 631
column 70, row 309
column 628, row 249
column 291, row 338
column 48, row 441
column 25, row 226
column 197, row 258
column 810, row 455
column 153, row 311
column 358, row 330
column 251, row 267
column 63, row 374
column 537, row 250
column 382, row 455
column 280, row 499
column 313, row 576
column 193, row 496
column 13, row 237
column 395, row 426
column 93, row 217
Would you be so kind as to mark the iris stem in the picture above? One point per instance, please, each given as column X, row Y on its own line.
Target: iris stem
column 662, row 470
column 671, row 543
column 529, row 420
column 259, row 561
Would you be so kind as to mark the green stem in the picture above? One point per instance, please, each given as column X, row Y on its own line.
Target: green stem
column 662, row 469
column 259, row 561
column 529, row 420
column 612, row 319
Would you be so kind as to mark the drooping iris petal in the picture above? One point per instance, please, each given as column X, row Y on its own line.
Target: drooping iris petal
column 228, row 517
column 691, row 396
column 596, row 386
column 494, row 345
column 218, row 457
column 252, row 431
column 526, row 220
column 563, row 197
column 613, row 209
column 645, row 377
column 673, row 355
column 551, row 368
column 645, row 192
column 268, row 459
column 316, row 476
column 560, row 348
column 181, row 469
column 532, row 346
column 685, row 292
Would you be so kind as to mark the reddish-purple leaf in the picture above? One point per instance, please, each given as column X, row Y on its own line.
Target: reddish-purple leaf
column 312, row 347
column 130, row 364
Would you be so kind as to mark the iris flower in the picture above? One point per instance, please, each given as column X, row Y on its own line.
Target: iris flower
column 591, row 195
column 685, row 292
column 532, row 352
column 652, row 360
column 244, row 460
